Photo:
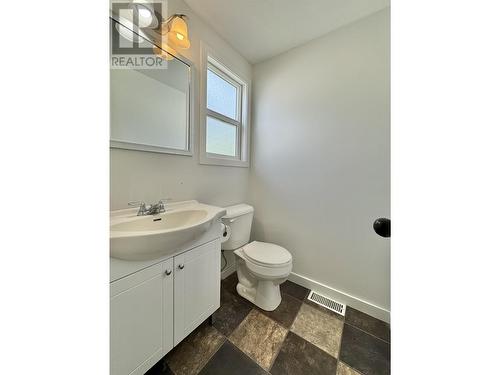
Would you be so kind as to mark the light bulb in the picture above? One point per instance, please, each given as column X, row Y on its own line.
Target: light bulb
column 177, row 30
column 144, row 13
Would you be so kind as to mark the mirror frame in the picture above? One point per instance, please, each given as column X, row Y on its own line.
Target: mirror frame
column 190, row 125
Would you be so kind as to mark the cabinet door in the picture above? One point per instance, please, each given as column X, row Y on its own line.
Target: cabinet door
column 138, row 320
column 196, row 287
column 168, row 306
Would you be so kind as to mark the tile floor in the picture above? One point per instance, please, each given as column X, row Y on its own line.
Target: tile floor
column 299, row 337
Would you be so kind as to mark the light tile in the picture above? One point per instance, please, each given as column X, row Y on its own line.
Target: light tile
column 324, row 309
column 343, row 369
column 319, row 328
column 259, row 337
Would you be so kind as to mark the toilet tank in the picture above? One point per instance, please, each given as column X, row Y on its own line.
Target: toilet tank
column 239, row 219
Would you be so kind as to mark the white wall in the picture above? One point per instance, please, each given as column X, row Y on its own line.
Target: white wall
column 320, row 169
column 137, row 175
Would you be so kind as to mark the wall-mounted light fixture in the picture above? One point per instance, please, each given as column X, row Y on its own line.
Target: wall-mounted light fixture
column 176, row 29
column 162, row 53
column 145, row 13
column 140, row 14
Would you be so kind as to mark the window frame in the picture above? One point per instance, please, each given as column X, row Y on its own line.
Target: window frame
column 221, row 117
column 210, row 61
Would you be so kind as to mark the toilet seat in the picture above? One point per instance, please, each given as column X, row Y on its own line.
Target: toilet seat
column 266, row 254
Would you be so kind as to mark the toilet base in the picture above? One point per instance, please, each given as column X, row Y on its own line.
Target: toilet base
column 260, row 285
column 266, row 295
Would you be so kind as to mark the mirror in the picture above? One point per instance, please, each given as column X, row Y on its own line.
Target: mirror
column 150, row 105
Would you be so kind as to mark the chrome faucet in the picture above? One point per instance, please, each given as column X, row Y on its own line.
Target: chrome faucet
column 150, row 209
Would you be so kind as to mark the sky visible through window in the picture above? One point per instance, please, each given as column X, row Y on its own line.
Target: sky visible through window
column 221, row 98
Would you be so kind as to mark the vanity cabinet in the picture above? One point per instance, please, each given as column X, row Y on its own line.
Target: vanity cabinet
column 141, row 313
column 196, row 288
column 153, row 309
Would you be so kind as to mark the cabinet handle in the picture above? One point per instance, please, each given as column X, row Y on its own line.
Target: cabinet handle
column 168, row 272
column 181, row 266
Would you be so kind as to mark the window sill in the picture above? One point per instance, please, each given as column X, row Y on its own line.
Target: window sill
column 205, row 160
column 148, row 148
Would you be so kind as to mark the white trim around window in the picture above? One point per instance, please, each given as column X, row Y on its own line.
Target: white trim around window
column 242, row 122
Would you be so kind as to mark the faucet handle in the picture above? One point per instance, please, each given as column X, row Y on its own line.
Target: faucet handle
column 142, row 207
column 162, row 202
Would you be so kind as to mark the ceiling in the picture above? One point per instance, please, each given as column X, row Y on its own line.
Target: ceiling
column 261, row 29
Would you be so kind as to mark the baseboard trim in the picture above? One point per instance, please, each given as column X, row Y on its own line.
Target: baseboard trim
column 228, row 271
column 355, row 302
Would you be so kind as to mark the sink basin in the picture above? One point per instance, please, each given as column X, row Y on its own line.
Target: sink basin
column 148, row 237
column 161, row 222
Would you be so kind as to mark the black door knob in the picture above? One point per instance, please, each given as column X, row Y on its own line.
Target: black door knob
column 382, row 227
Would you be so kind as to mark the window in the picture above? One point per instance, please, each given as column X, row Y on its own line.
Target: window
column 224, row 123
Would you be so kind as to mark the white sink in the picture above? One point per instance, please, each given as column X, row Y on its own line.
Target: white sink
column 135, row 237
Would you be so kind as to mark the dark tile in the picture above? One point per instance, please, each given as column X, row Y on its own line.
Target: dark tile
column 259, row 337
column 323, row 309
column 230, row 360
column 189, row 357
column 294, row 290
column 364, row 352
column 230, row 282
column 232, row 311
column 297, row 356
column 368, row 323
column 286, row 312
column 161, row 368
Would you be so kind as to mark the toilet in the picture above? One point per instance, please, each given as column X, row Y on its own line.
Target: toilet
column 261, row 266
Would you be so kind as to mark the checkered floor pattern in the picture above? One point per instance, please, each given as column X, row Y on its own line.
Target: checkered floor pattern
column 299, row 337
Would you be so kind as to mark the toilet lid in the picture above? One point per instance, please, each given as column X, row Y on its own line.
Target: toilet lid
column 267, row 253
